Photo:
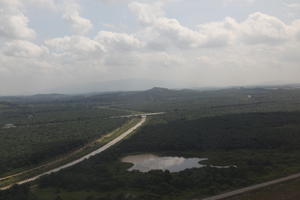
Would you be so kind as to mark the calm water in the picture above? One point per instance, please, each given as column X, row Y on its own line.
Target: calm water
column 148, row 162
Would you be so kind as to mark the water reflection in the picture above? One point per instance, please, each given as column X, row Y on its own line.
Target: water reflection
column 147, row 162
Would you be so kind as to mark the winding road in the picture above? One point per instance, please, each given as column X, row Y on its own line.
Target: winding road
column 98, row 151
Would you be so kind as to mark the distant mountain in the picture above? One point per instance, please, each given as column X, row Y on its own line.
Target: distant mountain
column 37, row 98
column 156, row 94
column 118, row 85
column 48, row 96
column 158, row 89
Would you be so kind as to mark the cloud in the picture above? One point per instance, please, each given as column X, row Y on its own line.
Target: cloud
column 245, row 2
column 257, row 28
column 75, row 47
column 228, row 51
column 22, row 48
column 147, row 13
column 79, row 25
column 294, row 28
column 118, row 41
column 261, row 28
column 164, row 32
column 48, row 4
column 295, row 6
column 13, row 22
column 141, row 1
column 218, row 34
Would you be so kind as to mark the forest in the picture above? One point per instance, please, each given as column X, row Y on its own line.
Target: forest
column 246, row 140
column 43, row 132
column 258, row 130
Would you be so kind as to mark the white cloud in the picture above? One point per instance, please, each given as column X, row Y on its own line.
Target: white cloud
column 13, row 22
column 218, row 34
column 246, row 2
column 147, row 13
column 49, row 4
column 164, row 30
column 258, row 28
column 295, row 6
column 75, row 47
column 118, row 41
column 294, row 28
column 262, row 28
column 10, row 3
column 79, row 24
column 22, row 48
column 217, row 52
column 15, row 26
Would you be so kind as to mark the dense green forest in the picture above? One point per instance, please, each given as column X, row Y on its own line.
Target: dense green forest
column 246, row 140
column 45, row 131
column 279, row 130
column 258, row 130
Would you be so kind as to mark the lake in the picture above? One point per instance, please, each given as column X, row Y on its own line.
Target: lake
column 148, row 162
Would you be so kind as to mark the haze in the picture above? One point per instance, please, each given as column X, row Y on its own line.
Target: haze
column 91, row 45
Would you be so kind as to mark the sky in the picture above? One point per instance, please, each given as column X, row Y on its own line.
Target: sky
column 63, row 45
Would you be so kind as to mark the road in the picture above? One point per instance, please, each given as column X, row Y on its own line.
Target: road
column 139, row 115
column 98, row 151
column 251, row 188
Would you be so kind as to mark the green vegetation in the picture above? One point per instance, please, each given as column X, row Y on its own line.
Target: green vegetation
column 114, row 134
column 246, row 140
column 280, row 130
column 66, row 158
column 284, row 191
column 256, row 129
column 44, row 132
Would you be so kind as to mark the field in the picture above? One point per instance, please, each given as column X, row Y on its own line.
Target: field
column 256, row 129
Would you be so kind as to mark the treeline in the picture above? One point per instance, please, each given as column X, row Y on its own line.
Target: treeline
column 280, row 130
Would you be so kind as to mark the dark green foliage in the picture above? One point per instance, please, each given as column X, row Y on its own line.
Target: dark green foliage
column 229, row 132
column 248, row 140
column 256, row 129
column 17, row 193
column 98, row 175
column 45, row 131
